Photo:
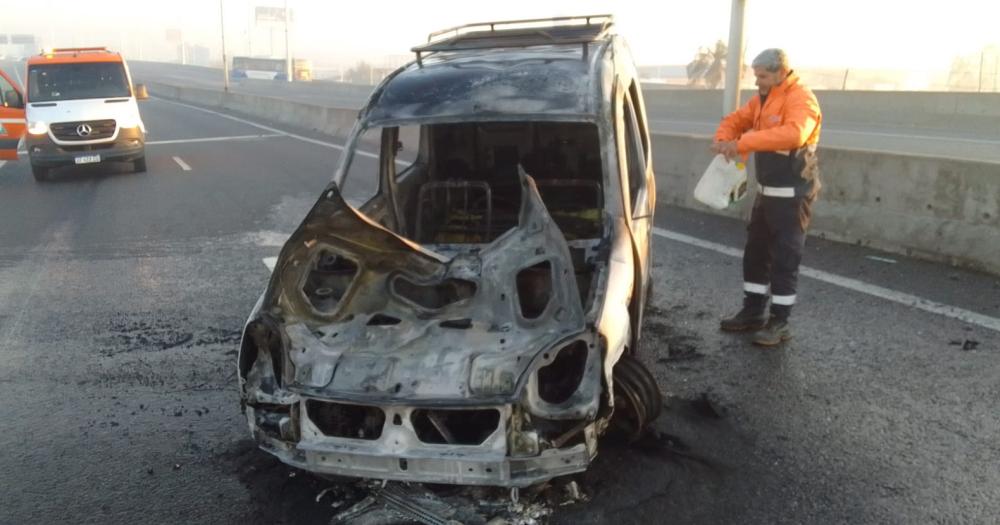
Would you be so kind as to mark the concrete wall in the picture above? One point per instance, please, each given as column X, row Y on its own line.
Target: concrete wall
column 938, row 209
column 335, row 122
column 916, row 110
column 972, row 112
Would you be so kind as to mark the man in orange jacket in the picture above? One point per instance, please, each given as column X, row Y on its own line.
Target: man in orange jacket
column 780, row 126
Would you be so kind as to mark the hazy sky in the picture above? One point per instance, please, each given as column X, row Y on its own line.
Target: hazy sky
column 892, row 34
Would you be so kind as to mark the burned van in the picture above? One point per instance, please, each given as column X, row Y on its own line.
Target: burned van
column 463, row 303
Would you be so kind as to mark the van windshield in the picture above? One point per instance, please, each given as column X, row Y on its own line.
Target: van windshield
column 51, row 82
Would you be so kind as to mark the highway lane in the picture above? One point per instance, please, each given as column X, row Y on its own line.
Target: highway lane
column 121, row 300
column 122, row 297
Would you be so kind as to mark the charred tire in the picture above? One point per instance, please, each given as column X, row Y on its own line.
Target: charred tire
column 638, row 401
column 139, row 165
column 40, row 173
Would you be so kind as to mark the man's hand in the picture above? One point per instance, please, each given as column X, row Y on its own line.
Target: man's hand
column 727, row 149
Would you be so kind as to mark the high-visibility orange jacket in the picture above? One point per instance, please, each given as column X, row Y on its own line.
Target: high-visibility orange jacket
column 789, row 119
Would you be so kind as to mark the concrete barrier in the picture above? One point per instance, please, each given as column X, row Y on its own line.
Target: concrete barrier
column 969, row 112
column 937, row 209
column 335, row 122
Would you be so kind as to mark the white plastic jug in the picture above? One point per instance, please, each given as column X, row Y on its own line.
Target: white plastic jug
column 723, row 183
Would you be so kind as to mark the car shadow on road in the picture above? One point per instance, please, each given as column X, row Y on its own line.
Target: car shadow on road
column 75, row 174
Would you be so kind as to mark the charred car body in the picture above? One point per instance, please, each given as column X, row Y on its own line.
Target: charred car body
column 463, row 306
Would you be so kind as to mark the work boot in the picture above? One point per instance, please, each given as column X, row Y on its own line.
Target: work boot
column 776, row 331
column 751, row 317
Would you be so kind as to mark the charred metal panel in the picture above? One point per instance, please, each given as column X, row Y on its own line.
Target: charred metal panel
column 378, row 344
column 545, row 80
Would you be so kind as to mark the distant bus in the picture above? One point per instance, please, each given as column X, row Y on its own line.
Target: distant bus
column 270, row 68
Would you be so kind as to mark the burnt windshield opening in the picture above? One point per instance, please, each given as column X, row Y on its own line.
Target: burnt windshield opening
column 53, row 82
column 459, row 183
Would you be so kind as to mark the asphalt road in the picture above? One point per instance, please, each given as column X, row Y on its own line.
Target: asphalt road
column 122, row 297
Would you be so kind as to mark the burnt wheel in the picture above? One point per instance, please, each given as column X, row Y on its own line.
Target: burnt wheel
column 638, row 401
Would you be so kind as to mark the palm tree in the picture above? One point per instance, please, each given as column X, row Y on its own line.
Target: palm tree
column 708, row 67
column 697, row 67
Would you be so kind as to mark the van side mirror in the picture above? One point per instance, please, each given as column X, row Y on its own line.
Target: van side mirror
column 140, row 92
column 12, row 99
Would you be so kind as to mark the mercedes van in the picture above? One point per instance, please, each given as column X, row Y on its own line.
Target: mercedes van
column 81, row 109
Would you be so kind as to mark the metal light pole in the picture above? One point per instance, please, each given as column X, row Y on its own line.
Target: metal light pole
column 250, row 22
column 982, row 56
column 734, row 60
column 288, row 53
column 225, row 62
column 996, row 66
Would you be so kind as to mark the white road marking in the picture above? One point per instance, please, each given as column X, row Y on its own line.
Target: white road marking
column 906, row 299
column 881, row 259
column 2, row 162
column 270, row 262
column 184, row 166
column 269, row 239
column 339, row 147
column 212, row 139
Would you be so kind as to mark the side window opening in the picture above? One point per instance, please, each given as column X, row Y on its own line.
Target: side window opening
column 399, row 146
column 640, row 119
column 636, row 163
column 8, row 95
column 406, row 149
column 361, row 182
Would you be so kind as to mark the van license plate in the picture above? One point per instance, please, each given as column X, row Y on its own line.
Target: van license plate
column 88, row 159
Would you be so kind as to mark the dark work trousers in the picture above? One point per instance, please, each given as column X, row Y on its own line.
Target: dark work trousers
column 775, row 239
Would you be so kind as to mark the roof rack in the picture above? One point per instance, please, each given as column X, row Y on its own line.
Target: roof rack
column 518, row 33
